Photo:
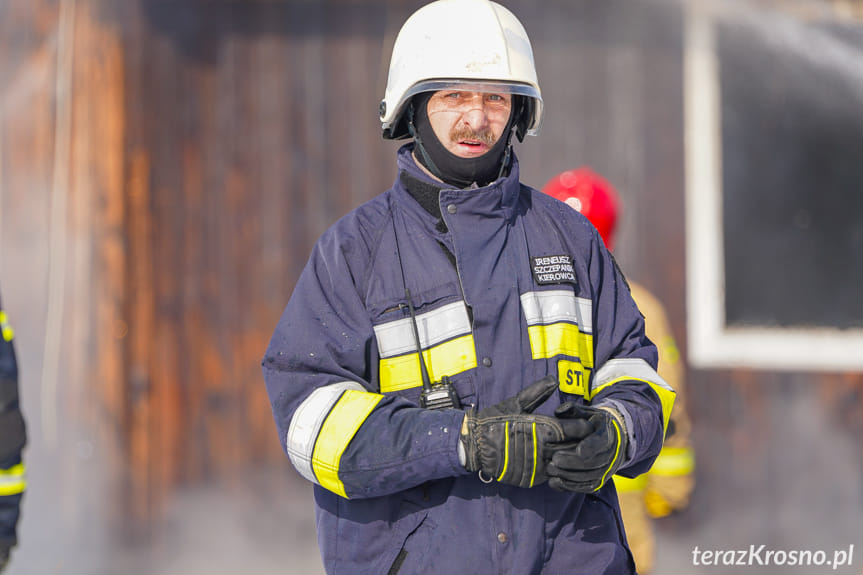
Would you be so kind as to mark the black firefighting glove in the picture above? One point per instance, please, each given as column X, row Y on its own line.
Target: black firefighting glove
column 585, row 465
column 507, row 443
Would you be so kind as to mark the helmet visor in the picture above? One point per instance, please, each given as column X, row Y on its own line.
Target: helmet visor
column 483, row 86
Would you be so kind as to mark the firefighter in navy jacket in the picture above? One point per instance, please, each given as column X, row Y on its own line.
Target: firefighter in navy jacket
column 518, row 310
column 12, row 440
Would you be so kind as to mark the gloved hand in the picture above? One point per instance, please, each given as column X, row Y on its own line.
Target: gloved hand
column 585, row 465
column 508, row 443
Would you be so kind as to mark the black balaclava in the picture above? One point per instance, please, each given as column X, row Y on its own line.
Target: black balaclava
column 454, row 170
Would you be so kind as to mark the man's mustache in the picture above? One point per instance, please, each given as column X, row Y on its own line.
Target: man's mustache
column 463, row 133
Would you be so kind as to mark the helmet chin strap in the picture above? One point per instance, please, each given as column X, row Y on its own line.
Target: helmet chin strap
column 446, row 166
column 507, row 154
column 425, row 159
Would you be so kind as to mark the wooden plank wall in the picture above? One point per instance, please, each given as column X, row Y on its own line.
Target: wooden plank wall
column 242, row 148
column 207, row 150
column 63, row 244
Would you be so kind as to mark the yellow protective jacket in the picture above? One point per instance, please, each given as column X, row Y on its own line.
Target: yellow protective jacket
column 669, row 483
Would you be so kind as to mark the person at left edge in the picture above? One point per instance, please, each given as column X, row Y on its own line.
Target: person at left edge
column 504, row 289
column 13, row 437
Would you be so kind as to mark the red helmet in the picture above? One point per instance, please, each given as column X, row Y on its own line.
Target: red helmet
column 590, row 194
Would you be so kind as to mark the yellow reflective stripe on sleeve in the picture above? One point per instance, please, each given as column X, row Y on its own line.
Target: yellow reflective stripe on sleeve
column 666, row 398
column 627, row 485
column 547, row 341
column 533, row 473
column 5, row 328
column 635, row 369
column 674, row 461
column 337, row 431
column 307, row 421
column 505, row 452
column 448, row 358
column 13, row 480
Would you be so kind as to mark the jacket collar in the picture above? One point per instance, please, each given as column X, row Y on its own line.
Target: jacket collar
column 496, row 199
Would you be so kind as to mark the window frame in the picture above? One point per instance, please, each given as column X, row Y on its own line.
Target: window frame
column 712, row 343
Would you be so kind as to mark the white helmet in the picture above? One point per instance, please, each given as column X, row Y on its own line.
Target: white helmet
column 432, row 52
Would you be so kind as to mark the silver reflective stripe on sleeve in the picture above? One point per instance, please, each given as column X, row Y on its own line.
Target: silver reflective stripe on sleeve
column 307, row 422
column 626, row 368
column 436, row 326
column 545, row 307
column 632, row 368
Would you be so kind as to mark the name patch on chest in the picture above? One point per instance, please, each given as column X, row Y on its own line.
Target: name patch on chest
column 552, row 270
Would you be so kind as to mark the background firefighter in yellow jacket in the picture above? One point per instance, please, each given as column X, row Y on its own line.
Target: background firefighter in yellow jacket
column 668, row 485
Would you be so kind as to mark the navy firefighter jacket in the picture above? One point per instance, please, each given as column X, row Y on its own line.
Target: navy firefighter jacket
column 530, row 291
column 13, row 438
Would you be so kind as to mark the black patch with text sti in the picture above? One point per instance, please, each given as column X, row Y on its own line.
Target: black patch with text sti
column 553, row 270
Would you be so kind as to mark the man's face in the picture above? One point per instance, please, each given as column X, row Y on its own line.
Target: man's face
column 468, row 123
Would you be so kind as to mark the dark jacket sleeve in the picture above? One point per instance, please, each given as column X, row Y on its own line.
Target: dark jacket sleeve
column 625, row 377
column 13, row 436
column 338, row 431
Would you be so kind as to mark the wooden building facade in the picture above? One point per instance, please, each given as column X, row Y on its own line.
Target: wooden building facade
column 165, row 168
